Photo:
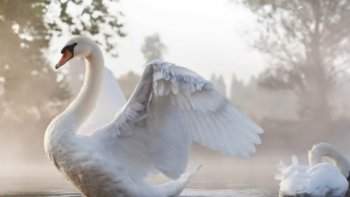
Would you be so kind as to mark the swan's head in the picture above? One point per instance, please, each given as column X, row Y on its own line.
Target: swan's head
column 79, row 46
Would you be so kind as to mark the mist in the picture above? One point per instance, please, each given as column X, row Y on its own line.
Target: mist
column 294, row 84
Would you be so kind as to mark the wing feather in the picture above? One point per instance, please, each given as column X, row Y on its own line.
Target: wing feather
column 182, row 107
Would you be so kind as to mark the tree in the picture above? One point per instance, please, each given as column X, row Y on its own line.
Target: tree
column 308, row 43
column 219, row 83
column 98, row 18
column 22, row 65
column 28, row 84
column 23, row 37
column 238, row 91
column 153, row 48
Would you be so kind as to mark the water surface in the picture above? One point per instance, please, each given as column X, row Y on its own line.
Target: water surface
column 186, row 193
column 219, row 177
column 27, row 187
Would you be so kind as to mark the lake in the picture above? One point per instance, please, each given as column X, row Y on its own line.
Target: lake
column 33, row 187
column 219, row 177
column 186, row 193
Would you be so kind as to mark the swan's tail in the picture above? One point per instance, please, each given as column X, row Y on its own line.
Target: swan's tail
column 175, row 187
column 284, row 170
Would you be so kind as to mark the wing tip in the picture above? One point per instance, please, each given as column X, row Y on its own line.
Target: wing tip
column 188, row 175
column 260, row 130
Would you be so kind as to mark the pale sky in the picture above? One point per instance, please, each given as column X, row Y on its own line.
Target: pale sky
column 207, row 36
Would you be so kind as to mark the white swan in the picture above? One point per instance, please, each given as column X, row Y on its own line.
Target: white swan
column 170, row 107
column 109, row 101
column 319, row 178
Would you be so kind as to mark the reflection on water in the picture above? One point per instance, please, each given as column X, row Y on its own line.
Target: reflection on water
column 186, row 193
column 33, row 187
column 41, row 194
column 219, row 177
column 228, row 193
column 42, row 187
column 26, row 187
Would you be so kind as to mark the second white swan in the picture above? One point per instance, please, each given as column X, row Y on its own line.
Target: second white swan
column 170, row 107
column 319, row 178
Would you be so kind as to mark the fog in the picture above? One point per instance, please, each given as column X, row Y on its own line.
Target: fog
column 293, row 83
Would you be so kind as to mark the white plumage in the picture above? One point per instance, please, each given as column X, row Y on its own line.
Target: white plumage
column 170, row 107
column 110, row 100
column 319, row 178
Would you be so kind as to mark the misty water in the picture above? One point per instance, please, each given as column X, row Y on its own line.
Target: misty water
column 29, row 187
column 219, row 176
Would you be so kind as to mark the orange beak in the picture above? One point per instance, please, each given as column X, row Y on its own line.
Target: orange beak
column 67, row 55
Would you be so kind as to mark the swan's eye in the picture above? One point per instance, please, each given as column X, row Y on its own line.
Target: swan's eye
column 70, row 48
column 68, row 53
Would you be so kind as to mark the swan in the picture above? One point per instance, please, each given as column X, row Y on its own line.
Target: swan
column 319, row 178
column 109, row 101
column 170, row 108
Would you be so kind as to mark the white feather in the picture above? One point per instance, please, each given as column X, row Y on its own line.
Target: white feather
column 183, row 107
column 109, row 102
column 170, row 108
column 321, row 179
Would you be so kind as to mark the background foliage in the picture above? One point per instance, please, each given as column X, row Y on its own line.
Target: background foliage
column 30, row 89
column 307, row 43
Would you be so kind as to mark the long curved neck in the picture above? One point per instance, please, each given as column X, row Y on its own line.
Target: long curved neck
column 321, row 151
column 85, row 101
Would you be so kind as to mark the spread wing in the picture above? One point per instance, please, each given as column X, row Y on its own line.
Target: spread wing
column 173, row 106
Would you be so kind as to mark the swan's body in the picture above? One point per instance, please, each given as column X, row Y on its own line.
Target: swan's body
column 170, row 107
column 319, row 178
